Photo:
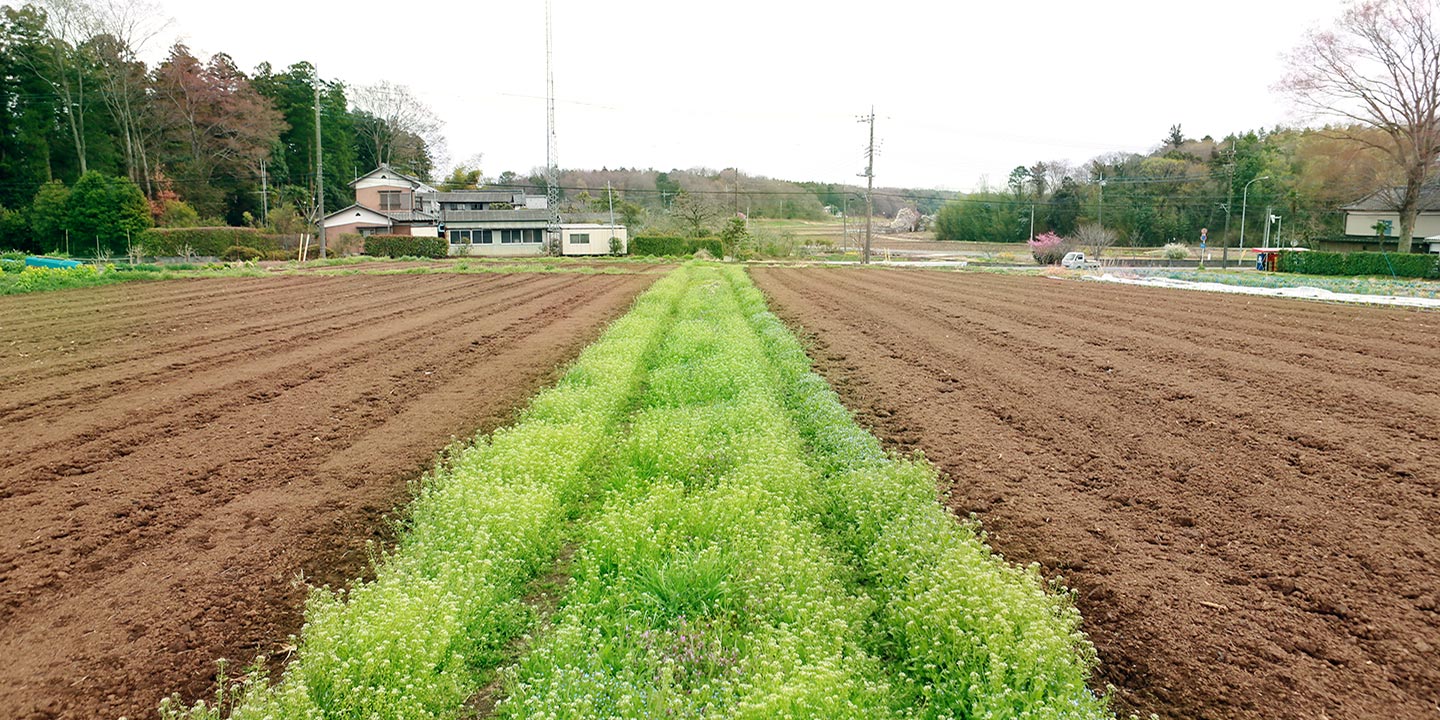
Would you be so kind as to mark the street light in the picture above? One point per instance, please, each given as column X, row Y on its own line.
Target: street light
column 1245, row 198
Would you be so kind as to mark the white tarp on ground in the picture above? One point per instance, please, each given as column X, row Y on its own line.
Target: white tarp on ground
column 1304, row 293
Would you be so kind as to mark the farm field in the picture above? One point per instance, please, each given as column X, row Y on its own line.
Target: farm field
column 1243, row 492
column 182, row 458
column 688, row 524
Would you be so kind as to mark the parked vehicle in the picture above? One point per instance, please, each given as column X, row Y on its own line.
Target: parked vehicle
column 1077, row 261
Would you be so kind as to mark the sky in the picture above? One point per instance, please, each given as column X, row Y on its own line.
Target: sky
column 963, row 91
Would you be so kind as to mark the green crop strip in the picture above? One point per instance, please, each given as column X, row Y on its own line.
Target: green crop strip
column 743, row 550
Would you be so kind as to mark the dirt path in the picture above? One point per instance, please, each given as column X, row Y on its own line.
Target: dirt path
column 178, row 455
column 1246, row 502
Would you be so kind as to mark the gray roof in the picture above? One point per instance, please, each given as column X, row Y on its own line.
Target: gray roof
column 1386, row 200
column 480, row 196
column 385, row 168
column 406, row 216
column 476, row 216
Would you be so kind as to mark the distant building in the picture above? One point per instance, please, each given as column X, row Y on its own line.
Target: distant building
column 593, row 239
column 1361, row 218
column 497, row 223
column 387, row 202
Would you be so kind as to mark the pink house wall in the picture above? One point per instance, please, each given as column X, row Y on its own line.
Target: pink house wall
column 370, row 197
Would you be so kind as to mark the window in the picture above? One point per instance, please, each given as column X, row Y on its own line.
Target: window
column 484, row 237
column 580, row 238
column 512, row 237
column 392, row 200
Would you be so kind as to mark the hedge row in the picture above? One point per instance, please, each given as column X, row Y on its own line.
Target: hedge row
column 674, row 246
column 406, row 245
column 1412, row 265
column 206, row 241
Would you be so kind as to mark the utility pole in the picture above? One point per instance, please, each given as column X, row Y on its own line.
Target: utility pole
column 1032, row 222
column 1244, row 203
column 610, row 195
column 264, row 195
column 1269, row 220
column 552, row 151
column 869, row 184
column 1229, row 203
column 1100, row 220
column 319, row 172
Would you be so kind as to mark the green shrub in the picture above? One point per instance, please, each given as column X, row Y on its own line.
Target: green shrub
column 671, row 246
column 1383, row 264
column 12, row 262
column 206, row 241
column 395, row 246
column 240, row 253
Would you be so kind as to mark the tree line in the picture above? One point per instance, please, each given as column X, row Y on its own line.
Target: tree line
column 1182, row 186
column 1373, row 76
column 90, row 134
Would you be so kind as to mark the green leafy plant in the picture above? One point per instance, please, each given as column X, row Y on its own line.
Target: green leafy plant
column 1411, row 265
column 396, row 246
column 240, row 253
column 672, row 246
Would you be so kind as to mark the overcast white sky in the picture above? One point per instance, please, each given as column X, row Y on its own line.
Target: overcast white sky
column 963, row 90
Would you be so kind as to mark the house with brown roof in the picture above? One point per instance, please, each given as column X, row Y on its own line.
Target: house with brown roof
column 387, row 202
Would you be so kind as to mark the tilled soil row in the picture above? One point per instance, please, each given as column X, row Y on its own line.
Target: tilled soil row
column 183, row 458
column 1242, row 491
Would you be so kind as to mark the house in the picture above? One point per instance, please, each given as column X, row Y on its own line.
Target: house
column 495, row 223
column 387, row 202
column 1361, row 218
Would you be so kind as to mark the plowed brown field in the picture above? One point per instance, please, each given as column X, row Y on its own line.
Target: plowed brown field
column 179, row 459
column 1244, row 492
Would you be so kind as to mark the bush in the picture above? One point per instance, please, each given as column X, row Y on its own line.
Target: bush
column 1384, row 264
column 1049, row 248
column 206, row 241
column 1176, row 251
column 406, row 246
column 671, row 246
column 240, row 253
column 177, row 214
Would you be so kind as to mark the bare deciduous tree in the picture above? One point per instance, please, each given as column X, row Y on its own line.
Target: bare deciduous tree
column 119, row 30
column 403, row 129
column 1095, row 238
column 694, row 214
column 66, row 22
column 1380, row 67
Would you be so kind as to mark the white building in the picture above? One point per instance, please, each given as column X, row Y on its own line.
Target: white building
column 593, row 239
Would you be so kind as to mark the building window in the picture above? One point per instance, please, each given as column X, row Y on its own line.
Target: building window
column 485, row 237
column 391, row 200
column 580, row 239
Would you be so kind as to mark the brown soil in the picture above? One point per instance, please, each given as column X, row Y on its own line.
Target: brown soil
column 1246, row 502
column 182, row 458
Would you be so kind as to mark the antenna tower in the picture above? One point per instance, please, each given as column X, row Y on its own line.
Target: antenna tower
column 552, row 153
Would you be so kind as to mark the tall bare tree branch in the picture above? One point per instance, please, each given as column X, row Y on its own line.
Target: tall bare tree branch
column 1380, row 67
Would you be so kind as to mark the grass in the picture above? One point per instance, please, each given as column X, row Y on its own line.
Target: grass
column 35, row 279
column 17, row 279
column 741, row 548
